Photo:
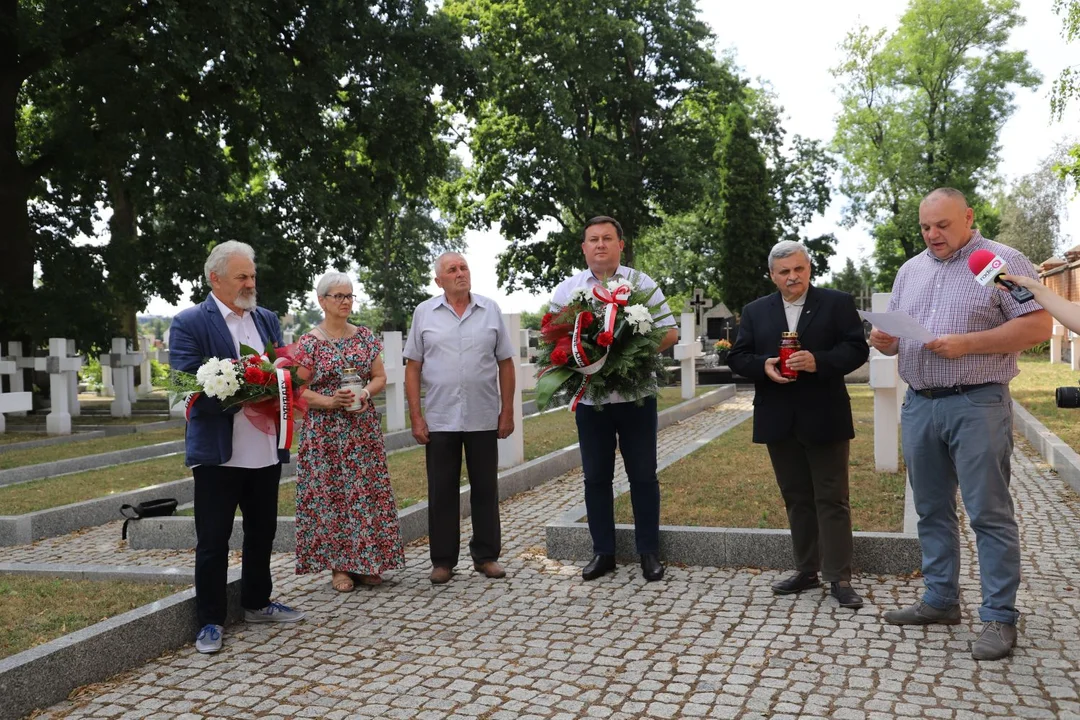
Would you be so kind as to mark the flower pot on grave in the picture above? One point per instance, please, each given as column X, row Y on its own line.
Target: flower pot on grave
column 721, row 357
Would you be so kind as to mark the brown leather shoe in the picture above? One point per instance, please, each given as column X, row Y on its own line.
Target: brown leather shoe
column 490, row 568
column 440, row 575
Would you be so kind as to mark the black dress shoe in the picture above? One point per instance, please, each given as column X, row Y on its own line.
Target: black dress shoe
column 845, row 595
column 796, row 583
column 651, row 568
column 600, row 565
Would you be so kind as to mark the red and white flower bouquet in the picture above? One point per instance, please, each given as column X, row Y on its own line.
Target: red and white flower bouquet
column 603, row 341
column 266, row 385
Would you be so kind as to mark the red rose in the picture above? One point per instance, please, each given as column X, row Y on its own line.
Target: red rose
column 605, row 339
column 586, row 318
column 255, row 376
column 559, row 357
column 546, row 320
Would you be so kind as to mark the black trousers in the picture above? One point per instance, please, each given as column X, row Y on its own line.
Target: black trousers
column 443, row 453
column 218, row 492
column 633, row 429
column 813, row 479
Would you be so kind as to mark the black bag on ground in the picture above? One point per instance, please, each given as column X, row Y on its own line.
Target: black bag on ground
column 150, row 508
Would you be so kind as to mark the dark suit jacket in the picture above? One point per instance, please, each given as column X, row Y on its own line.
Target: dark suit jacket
column 816, row 407
column 197, row 334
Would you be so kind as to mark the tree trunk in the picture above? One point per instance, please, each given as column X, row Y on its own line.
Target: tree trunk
column 389, row 304
column 16, row 241
column 122, row 256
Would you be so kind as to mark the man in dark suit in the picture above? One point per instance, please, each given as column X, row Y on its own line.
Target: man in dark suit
column 233, row 462
column 806, row 423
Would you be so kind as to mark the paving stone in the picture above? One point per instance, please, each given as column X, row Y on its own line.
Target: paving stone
column 706, row 642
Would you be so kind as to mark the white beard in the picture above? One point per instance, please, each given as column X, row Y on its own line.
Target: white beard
column 247, row 302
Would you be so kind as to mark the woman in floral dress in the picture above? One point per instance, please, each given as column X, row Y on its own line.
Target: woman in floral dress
column 346, row 519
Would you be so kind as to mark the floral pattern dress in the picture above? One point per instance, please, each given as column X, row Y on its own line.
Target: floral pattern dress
column 346, row 518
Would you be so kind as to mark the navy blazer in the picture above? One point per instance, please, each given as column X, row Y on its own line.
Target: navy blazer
column 197, row 334
column 816, row 407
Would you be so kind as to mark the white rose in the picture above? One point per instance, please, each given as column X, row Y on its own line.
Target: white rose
column 580, row 295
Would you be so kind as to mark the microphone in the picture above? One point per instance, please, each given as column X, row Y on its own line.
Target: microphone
column 989, row 268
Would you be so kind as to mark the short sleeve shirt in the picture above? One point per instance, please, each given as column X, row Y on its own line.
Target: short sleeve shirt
column 588, row 280
column 460, row 362
column 944, row 297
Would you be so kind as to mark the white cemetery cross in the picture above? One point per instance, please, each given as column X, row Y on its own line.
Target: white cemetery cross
column 73, row 384
column 888, row 392
column 15, row 355
column 122, row 363
column 146, row 347
column 395, row 381
column 512, row 449
column 687, row 352
column 700, row 305
column 1057, row 344
column 287, row 337
column 60, row 368
column 12, row 402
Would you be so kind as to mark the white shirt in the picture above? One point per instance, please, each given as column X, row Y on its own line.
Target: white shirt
column 460, row 362
column 251, row 447
column 586, row 279
column 792, row 310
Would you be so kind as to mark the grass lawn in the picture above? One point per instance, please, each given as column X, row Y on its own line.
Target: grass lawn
column 730, row 482
column 14, row 423
column 66, row 489
column 14, row 436
column 33, row 456
column 1034, row 389
column 543, row 434
column 36, row 610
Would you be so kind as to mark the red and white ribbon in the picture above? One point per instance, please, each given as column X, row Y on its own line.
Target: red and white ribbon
column 613, row 300
column 285, row 408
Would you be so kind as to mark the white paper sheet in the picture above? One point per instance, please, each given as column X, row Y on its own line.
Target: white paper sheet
column 898, row 324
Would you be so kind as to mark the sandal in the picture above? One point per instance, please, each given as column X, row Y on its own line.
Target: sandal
column 342, row 582
column 369, row 580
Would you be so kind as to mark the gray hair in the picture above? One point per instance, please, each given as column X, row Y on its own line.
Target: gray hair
column 218, row 260
column 786, row 248
column 438, row 261
column 331, row 279
column 946, row 192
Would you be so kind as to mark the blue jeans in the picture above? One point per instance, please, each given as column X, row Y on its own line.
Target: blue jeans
column 964, row 440
column 635, row 427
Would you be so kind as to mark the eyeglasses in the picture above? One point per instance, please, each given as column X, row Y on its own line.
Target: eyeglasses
column 338, row 297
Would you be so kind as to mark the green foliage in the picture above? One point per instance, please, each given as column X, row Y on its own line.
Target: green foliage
column 922, row 109
column 858, row 281
column 369, row 316
column 746, row 232
column 583, row 108
column 531, row 320
column 90, row 373
column 159, row 374
column 1032, row 210
column 292, row 126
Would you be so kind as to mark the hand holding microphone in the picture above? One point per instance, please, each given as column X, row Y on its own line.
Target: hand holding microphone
column 989, row 269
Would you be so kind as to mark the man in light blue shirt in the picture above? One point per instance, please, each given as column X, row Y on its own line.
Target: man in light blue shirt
column 633, row 426
column 461, row 352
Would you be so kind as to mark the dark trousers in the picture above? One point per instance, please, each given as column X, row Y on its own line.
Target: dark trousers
column 443, row 454
column 634, row 427
column 218, row 492
column 813, row 479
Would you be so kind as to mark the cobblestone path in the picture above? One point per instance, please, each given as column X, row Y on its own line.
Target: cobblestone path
column 706, row 642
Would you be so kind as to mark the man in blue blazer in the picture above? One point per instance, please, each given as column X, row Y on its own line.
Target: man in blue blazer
column 806, row 423
column 233, row 462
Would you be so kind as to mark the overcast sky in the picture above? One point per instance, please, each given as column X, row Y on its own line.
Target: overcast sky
column 792, row 44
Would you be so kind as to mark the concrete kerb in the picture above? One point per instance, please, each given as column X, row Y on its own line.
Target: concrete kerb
column 116, row 573
column 178, row 532
column 27, row 473
column 44, row 675
column 30, row 527
column 1058, row 455
column 877, row 553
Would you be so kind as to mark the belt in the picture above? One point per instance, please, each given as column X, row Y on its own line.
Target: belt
column 935, row 393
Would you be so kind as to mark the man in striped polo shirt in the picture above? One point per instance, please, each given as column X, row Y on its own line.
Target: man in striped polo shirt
column 957, row 416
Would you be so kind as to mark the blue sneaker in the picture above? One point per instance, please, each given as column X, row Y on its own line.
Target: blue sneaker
column 274, row 612
column 209, row 639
